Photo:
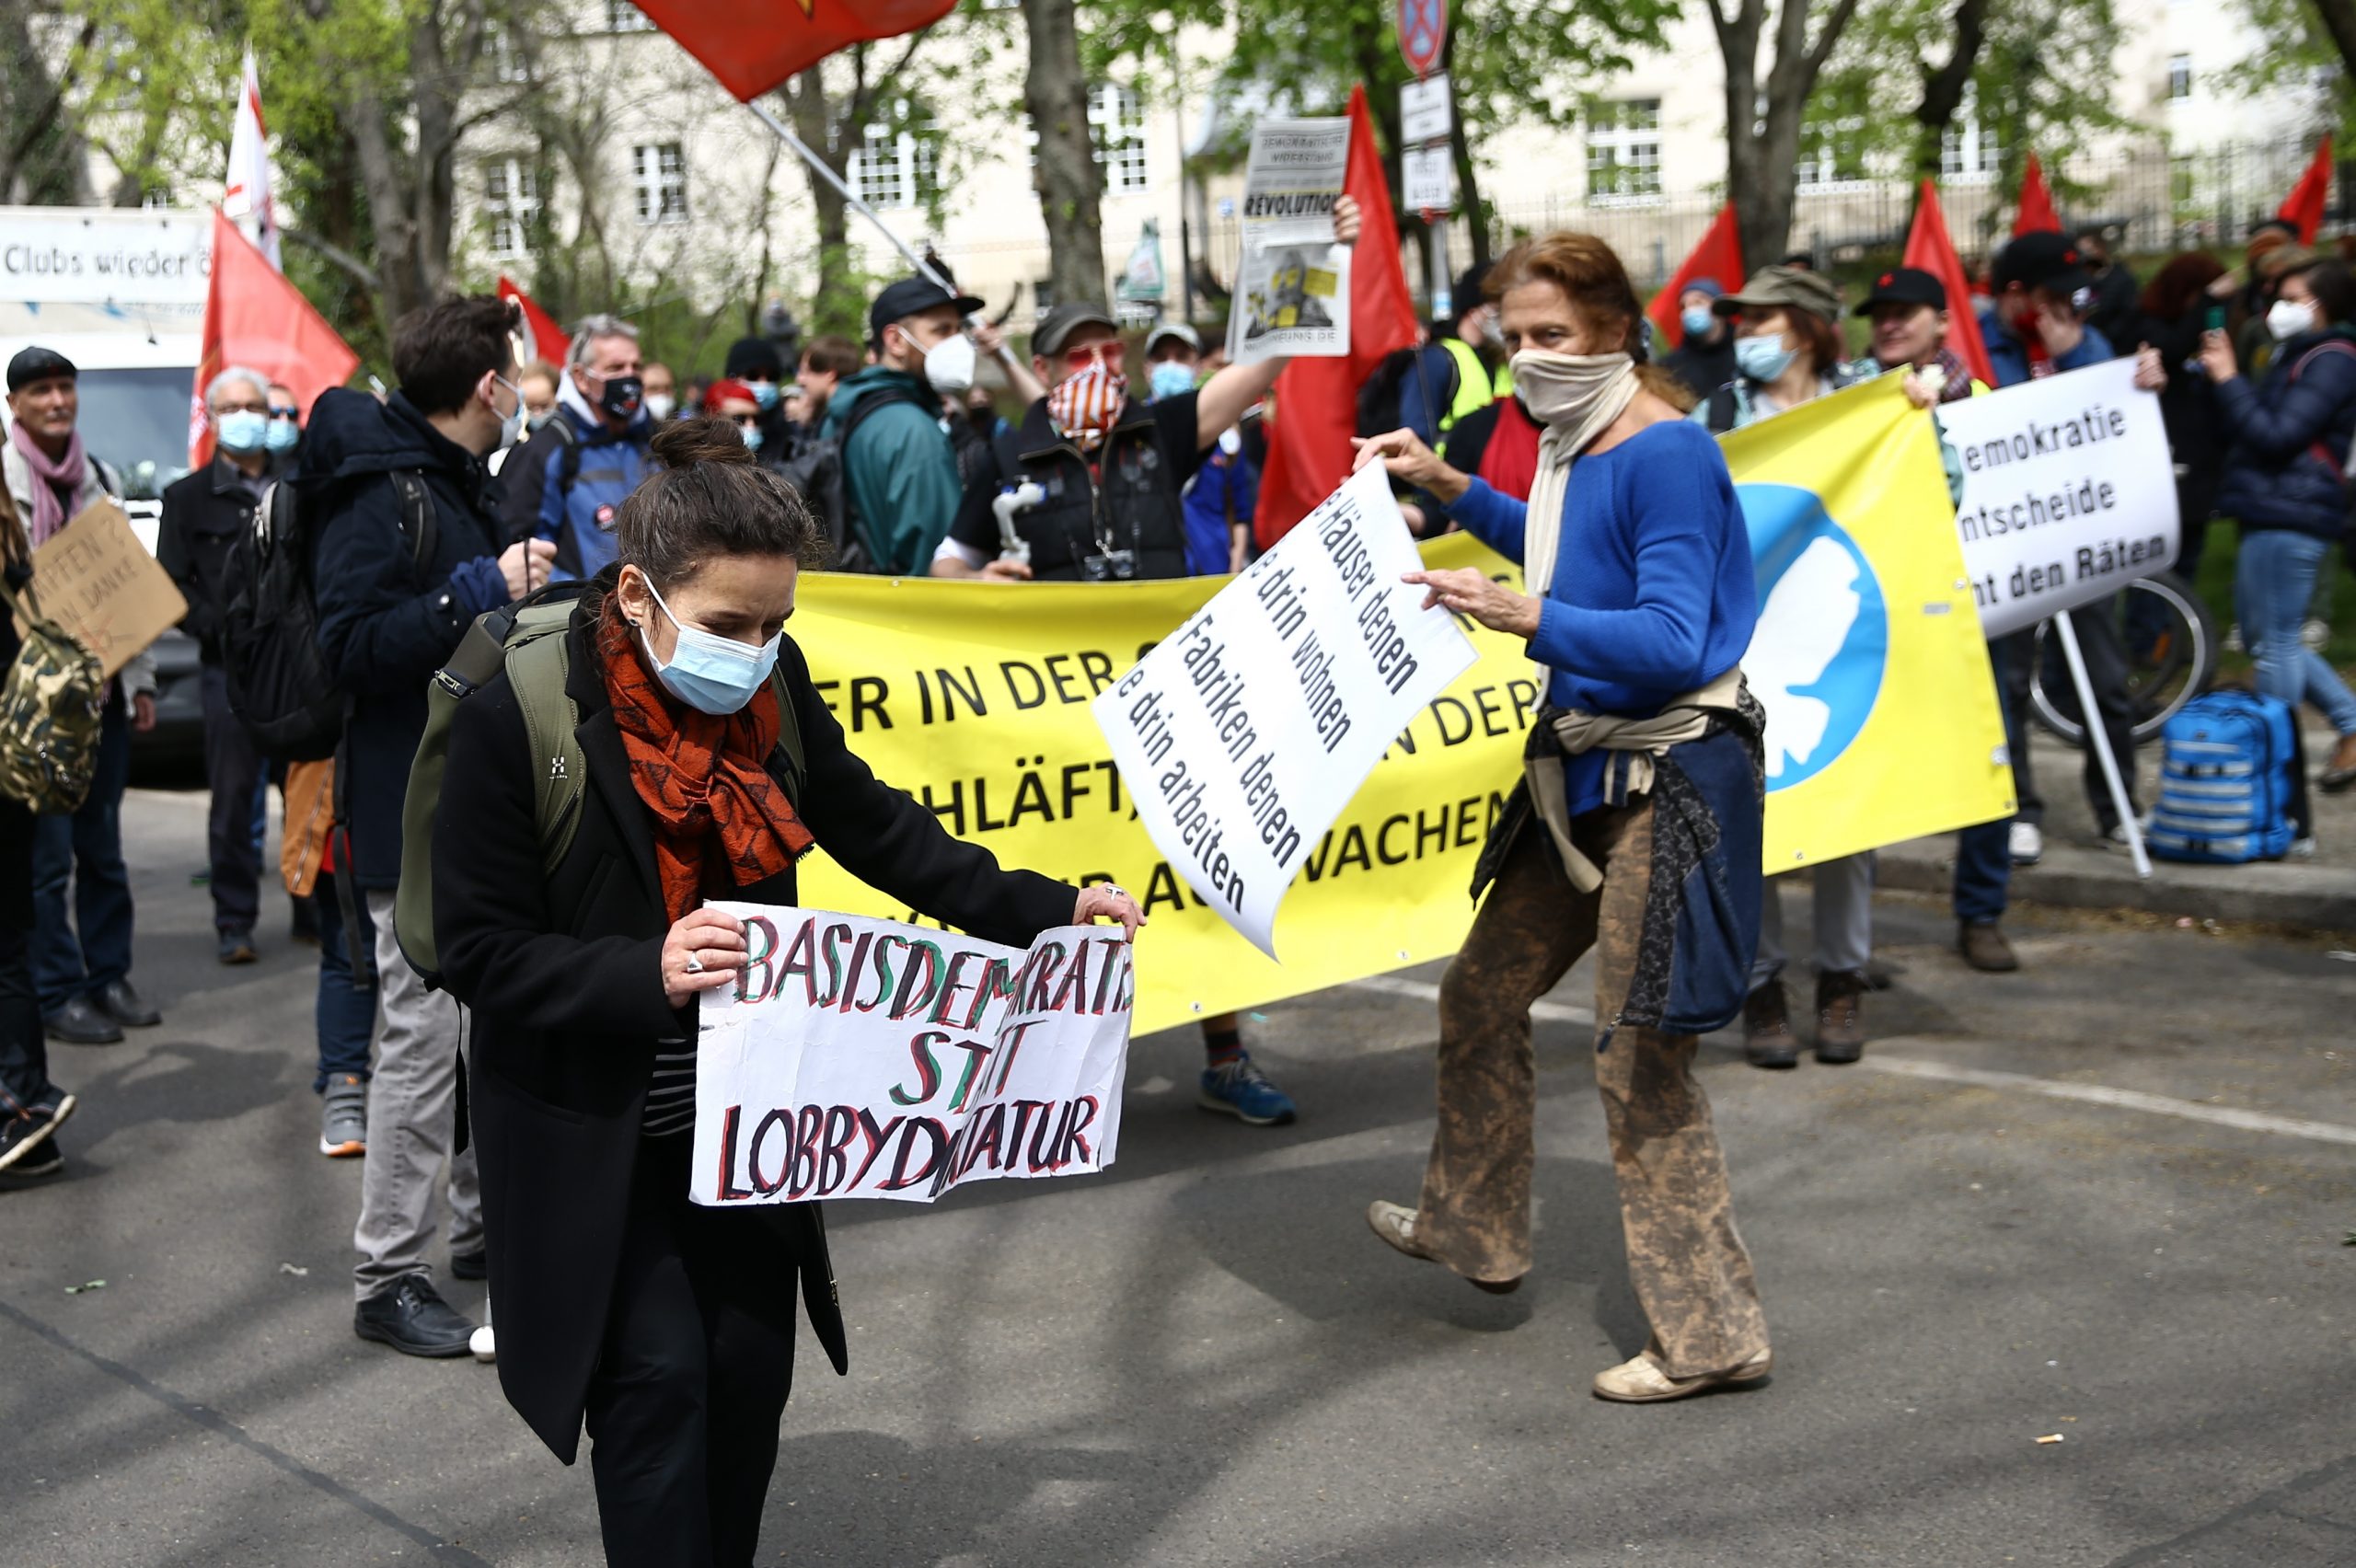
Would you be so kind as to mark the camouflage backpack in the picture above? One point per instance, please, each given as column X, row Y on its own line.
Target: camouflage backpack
column 50, row 705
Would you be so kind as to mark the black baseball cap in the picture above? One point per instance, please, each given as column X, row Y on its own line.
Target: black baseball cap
column 1905, row 285
column 908, row 297
column 37, row 364
column 2041, row 261
column 1061, row 322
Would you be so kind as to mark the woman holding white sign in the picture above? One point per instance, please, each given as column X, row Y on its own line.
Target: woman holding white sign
column 713, row 766
column 1636, row 829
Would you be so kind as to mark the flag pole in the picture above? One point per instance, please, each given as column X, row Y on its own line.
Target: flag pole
column 2099, row 740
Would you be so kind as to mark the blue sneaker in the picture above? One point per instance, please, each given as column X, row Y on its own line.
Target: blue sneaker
column 1241, row 1090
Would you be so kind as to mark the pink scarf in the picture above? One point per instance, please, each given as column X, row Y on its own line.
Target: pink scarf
column 48, row 512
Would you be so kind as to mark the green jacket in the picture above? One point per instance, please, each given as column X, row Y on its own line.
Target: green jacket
column 899, row 468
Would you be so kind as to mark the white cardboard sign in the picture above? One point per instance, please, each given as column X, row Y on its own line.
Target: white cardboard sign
column 2069, row 492
column 1244, row 734
column 865, row 1058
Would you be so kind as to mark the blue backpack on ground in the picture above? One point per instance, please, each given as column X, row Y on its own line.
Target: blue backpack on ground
column 2229, row 782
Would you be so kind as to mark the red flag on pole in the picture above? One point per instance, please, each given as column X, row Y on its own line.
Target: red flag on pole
column 754, row 44
column 257, row 320
column 1317, row 399
column 543, row 338
column 1928, row 247
column 2305, row 205
column 2036, row 214
column 1719, row 256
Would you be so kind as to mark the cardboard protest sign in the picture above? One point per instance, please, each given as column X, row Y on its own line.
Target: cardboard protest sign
column 95, row 579
column 1244, row 732
column 863, row 1058
column 2069, row 492
column 1292, row 286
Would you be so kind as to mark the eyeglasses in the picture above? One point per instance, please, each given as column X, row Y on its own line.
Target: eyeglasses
column 745, row 421
column 286, row 413
column 1110, row 354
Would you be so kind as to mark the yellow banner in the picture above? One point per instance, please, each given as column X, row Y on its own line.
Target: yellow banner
column 974, row 699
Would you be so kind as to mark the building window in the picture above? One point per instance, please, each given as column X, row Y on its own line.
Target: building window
column 660, row 173
column 1116, row 124
column 891, row 167
column 506, row 65
column 1624, row 150
column 1967, row 152
column 1832, row 152
column 623, row 16
column 511, row 200
column 2179, row 77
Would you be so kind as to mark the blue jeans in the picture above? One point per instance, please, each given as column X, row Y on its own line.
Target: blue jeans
column 346, row 1013
column 1984, row 853
column 91, row 952
column 2274, row 579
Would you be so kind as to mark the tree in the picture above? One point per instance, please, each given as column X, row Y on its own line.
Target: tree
column 1064, row 173
column 40, row 155
column 1763, row 117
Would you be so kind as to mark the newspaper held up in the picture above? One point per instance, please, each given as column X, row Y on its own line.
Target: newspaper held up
column 1292, row 287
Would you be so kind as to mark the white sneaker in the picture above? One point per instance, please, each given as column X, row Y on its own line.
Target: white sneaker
column 2028, row 844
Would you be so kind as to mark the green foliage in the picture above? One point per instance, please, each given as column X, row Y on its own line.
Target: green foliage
column 2299, row 55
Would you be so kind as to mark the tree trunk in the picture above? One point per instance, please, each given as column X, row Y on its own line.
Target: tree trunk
column 1066, row 175
column 400, row 287
column 36, row 145
column 1942, row 90
column 2340, row 20
column 1763, row 138
column 838, row 304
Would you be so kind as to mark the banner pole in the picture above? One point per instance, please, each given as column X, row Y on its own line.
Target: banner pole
column 2100, row 739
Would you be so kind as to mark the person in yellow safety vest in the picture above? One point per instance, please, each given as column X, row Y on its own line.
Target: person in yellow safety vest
column 1473, row 342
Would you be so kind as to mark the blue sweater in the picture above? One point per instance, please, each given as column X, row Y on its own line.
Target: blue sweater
column 1654, row 592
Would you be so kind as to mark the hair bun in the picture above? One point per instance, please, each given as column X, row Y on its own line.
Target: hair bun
column 686, row 442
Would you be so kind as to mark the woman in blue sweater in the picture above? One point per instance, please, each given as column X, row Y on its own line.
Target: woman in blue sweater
column 1635, row 830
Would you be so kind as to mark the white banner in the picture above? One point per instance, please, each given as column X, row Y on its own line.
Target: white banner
column 1244, row 732
column 1292, row 286
column 2069, row 492
column 863, row 1058
column 104, row 256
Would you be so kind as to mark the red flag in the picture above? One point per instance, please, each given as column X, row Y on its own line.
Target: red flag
column 2305, row 205
column 255, row 319
column 1719, row 256
column 754, row 44
column 1317, row 399
column 1928, row 247
column 543, row 338
column 2037, row 214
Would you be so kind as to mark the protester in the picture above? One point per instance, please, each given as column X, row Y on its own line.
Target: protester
column 539, row 381
column 2283, row 482
column 205, row 514
column 1787, row 351
column 2175, row 311
column 759, row 364
column 1171, row 351
column 899, row 468
column 284, row 440
column 602, row 399
column 81, row 960
column 1705, row 358
column 2032, row 329
column 387, row 621
column 668, row 1325
column 344, row 1009
column 1908, row 309
column 1648, row 602
column 1498, row 444
column 32, row 1107
column 523, row 471
column 2113, row 311
column 2254, row 342
column 662, row 394
column 733, row 401
column 1473, row 341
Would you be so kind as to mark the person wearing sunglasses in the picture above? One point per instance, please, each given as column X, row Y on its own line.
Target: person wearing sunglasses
column 733, row 400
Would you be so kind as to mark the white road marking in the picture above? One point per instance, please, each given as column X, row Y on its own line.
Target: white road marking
column 2052, row 1089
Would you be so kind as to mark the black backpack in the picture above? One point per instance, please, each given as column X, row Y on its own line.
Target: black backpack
column 1411, row 389
column 280, row 686
column 815, row 471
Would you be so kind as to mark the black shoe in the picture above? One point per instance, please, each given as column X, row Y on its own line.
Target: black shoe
column 408, row 1315
column 471, row 1265
column 236, row 947
column 82, row 1022
column 25, row 1148
column 1767, row 1039
column 123, row 1005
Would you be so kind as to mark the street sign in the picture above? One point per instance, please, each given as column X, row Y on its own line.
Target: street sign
column 1423, row 34
column 1425, row 111
column 1427, row 180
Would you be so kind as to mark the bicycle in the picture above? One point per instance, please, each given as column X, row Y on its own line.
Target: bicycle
column 2172, row 658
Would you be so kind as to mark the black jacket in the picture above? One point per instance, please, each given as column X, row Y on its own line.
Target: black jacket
column 388, row 622
column 2187, row 405
column 204, row 511
column 1703, row 367
column 563, row 972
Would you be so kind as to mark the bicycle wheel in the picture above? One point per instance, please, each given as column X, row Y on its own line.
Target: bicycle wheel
column 2171, row 656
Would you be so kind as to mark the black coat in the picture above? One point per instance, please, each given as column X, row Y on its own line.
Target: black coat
column 1703, row 367
column 563, row 972
column 387, row 621
column 205, row 513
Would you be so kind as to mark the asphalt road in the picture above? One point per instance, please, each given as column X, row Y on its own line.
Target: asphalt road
column 2113, row 1211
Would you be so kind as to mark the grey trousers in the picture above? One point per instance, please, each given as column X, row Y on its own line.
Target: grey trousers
column 413, row 1120
column 1844, row 920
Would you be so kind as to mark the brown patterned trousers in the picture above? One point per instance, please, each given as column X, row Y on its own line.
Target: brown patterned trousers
column 1685, row 1258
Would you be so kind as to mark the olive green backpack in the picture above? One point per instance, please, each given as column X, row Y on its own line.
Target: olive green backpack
column 55, row 696
column 526, row 639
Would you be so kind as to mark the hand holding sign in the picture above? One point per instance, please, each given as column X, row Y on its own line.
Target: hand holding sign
column 703, row 952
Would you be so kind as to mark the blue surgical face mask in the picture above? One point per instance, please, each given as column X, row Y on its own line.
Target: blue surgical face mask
column 283, row 434
column 752, row 434
column 764, row 394
column 710, row 673
column 242, row 429
column 1697, row 321
column 1171, row 379
column 1763, row 358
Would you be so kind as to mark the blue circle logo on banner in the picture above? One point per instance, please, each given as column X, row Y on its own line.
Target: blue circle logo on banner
column 1817, row 660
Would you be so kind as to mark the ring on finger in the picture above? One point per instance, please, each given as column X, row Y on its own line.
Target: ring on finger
column 694, row 964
